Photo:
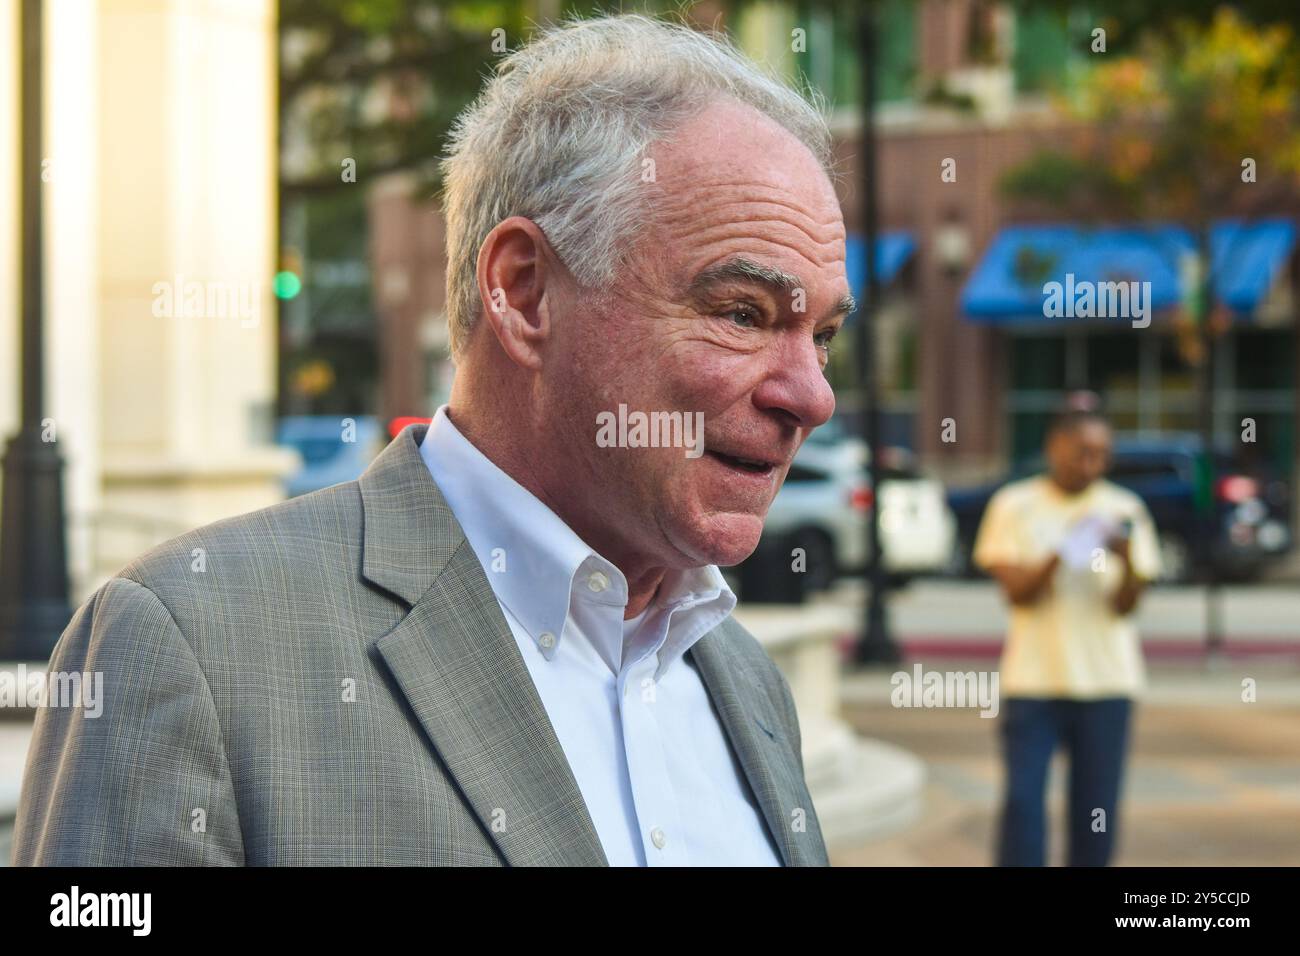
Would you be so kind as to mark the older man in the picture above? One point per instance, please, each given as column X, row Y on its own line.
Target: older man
column 509, row 642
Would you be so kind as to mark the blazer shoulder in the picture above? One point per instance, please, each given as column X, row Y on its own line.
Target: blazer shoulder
column 322, row 526
column 110, row 772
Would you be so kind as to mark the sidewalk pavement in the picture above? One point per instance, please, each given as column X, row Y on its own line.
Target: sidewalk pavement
column 1211, row 781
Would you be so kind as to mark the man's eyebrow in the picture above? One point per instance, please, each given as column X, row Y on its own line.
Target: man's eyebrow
column 741, row 269
column 847, row 305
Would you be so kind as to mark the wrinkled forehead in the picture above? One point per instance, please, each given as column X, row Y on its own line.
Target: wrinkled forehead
column 731, row 181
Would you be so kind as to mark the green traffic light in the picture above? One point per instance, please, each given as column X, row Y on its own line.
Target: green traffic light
column 287, row 285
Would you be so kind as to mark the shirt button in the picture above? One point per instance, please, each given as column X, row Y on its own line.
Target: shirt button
column 658, row 838
column 547, row 640
column 597, row 582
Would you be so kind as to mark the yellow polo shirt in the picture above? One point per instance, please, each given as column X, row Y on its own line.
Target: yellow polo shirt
column 1069, row 643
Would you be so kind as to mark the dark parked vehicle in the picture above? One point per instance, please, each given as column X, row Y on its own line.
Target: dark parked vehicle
column 1251, row 516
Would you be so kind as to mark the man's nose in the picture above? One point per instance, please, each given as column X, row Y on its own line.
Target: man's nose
column 795, row 382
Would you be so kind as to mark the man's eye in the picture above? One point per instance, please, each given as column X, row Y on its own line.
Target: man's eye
column 743, row 317
column 823, row 339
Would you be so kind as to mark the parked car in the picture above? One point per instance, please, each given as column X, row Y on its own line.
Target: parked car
column 332, row 450
column 1251, row 507
column 823, row 508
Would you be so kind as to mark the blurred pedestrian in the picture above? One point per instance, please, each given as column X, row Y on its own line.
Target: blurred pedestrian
column 1073, row 553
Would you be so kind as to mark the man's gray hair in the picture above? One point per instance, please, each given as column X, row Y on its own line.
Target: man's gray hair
column 558, row 136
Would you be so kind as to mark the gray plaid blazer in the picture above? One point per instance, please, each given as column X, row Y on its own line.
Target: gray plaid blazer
column 330, row 681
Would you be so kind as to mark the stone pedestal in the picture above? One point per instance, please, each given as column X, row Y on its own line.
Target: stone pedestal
column 863, row 789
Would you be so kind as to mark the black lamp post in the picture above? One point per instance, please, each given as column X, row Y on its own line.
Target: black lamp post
column 34, row 606
column 876, row 646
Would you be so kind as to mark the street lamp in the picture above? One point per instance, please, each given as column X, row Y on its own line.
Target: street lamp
column 1198, row 293
column 876, row 646
column 34, row 606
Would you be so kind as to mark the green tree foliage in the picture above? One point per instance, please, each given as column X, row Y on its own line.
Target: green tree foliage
column 1201, row 122
column 380, row 81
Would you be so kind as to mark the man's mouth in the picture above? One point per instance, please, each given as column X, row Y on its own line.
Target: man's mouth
column 753, row 466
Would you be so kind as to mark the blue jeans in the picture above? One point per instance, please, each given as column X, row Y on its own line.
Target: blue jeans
column 1095, row 734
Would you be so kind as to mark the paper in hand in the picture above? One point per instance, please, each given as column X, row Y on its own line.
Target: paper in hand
column 1083, row 539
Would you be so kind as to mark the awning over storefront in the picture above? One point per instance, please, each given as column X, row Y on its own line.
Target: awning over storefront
column 893, row 249
column 1008, row 284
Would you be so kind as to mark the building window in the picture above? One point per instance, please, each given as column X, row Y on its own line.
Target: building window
column 1147, row 388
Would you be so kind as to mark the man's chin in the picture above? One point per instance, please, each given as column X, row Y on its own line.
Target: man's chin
column 727, row 539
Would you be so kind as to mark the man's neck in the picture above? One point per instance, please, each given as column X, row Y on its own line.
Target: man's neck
column 643, row 579
column 642, row 591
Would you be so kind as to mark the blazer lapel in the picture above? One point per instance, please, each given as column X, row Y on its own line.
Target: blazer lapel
column 757, row 737
column 457, row 663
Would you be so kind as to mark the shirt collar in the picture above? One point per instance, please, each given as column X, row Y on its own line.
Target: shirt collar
column 697, row 601
column 534, row 561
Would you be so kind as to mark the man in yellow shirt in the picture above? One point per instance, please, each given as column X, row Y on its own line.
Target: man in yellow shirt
column 1072, row 553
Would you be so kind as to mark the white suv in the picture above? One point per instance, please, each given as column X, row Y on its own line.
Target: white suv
column 824, row 506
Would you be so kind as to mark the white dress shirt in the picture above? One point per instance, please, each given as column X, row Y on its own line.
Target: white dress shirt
column 634, row 719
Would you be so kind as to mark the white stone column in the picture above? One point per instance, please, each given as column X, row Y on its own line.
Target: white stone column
column 9, row 229
column 187, row 218
column 72, row 340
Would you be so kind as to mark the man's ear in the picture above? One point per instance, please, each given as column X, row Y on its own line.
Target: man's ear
column 513, row 272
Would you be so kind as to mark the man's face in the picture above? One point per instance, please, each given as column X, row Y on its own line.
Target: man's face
column 679, row 333
column 1078, row 456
